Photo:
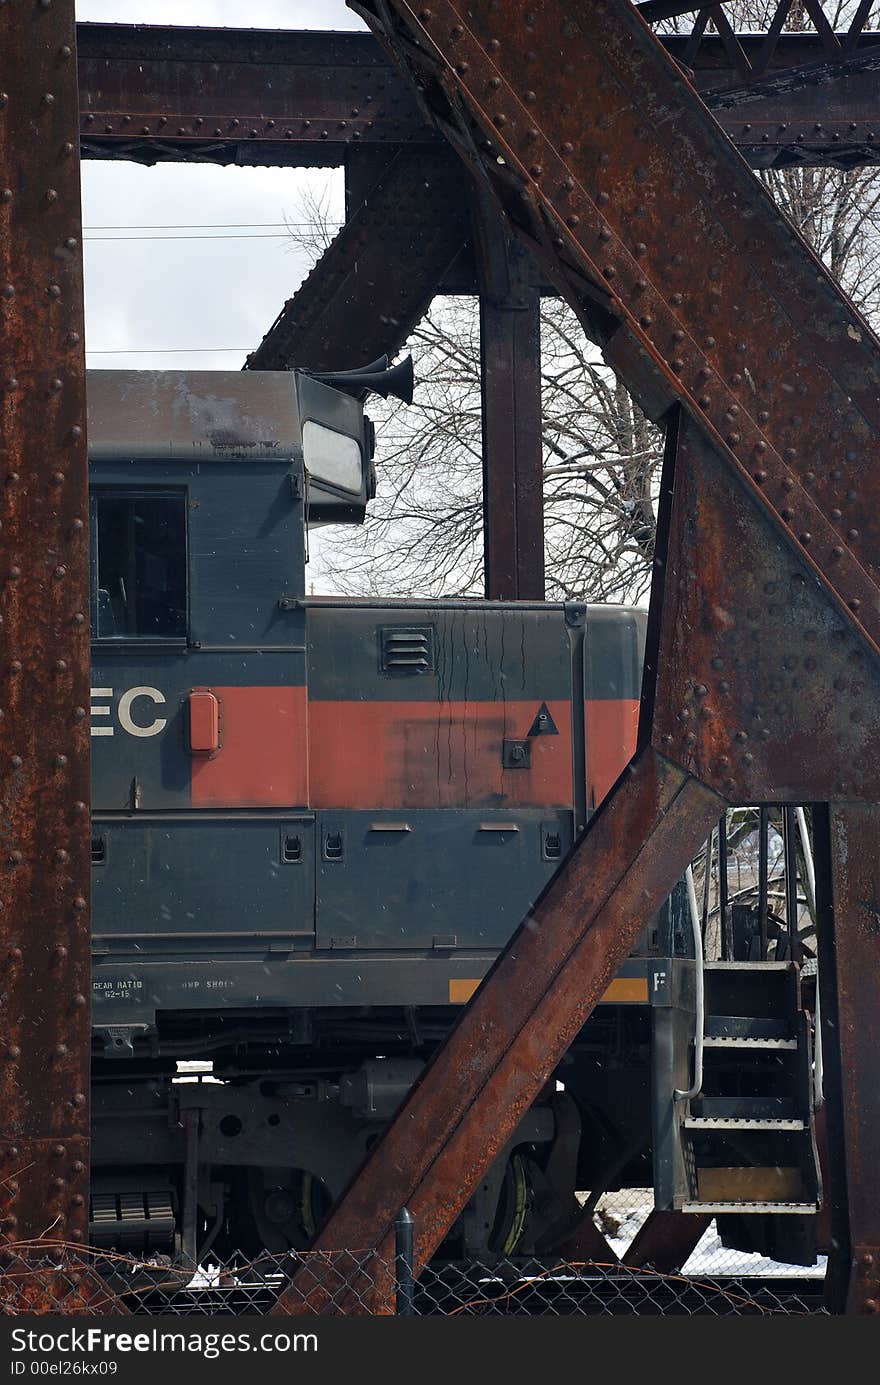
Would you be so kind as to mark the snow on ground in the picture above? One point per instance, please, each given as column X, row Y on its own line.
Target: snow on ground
column 620, row 1215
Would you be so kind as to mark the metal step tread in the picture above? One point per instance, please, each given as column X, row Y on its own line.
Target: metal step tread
column 720, row 1026
column 742, row 1123
column 748, row 966
column 746, row 1108
column 729, row 1041
column 752, row 1208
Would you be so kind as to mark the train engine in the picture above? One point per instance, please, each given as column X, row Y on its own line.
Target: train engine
column 316, row 821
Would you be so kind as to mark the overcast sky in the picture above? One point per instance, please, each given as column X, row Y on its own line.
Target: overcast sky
column 163, row 297
column 157, row 303
column 237, row 14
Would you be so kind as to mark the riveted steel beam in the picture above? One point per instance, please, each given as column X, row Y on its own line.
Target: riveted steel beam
column 604, row 164
column 846, row 840
column 45, row 1278
column 238, row 95
column 823, row 113
column 242, row 96
column 378, row 276
column 775, row 694
column 510, row 369
column 44, row 666
column 666, row 1239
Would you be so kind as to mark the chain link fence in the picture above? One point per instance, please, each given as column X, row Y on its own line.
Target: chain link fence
column 69, row 1280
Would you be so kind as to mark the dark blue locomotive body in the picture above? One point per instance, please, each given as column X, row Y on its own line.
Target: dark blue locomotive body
column 315, row 823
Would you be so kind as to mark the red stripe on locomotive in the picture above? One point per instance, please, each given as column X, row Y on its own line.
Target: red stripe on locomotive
column 430, row 755
column 262, row 760
column 611, row 727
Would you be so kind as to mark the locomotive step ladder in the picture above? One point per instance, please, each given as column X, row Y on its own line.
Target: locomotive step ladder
column 745, row 1142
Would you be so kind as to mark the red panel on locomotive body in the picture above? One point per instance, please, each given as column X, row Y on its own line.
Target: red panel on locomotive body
column 434, row 755
column 479, row 711
column 260, row 759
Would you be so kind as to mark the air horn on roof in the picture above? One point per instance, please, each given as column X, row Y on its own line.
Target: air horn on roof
column 377, row 378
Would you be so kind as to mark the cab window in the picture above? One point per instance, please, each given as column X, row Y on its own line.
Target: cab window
column 332, row 457
column 138, row 565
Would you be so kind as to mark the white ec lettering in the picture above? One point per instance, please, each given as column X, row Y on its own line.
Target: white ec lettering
column 124, row 712
column 103, row 711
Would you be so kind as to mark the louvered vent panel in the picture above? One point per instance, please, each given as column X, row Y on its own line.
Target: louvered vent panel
column 406, row 649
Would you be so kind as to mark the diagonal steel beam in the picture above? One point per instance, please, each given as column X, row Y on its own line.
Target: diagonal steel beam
column 377, row 278
column 666, row 1240
column 240, row 96
column 525, row 1015
column 595, row 160
column 610, row 168
column 773, row 694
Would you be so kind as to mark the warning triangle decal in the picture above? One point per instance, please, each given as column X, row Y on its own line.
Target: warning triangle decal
column 543, row 725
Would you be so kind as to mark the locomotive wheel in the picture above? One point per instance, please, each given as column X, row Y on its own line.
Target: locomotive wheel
column 513, row 1208
column 279, row 1210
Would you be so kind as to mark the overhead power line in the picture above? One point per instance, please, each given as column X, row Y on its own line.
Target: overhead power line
column 163, row 350
column 199, row 225
column 242, row 235
column 206, row 226
column 229, row 230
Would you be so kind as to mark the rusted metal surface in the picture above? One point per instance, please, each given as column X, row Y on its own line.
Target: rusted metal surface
column 44, row 665
column 605, row 164
column 765, row 690
column 666, row 1239
column 34, row 1282
column 231, row 96
column 817, row 16
column 848, row 903
column 238, row 95
column 821, row 114
column 510, row 368
column 522, row 1019
column 652, row 226
column 378, row 276
column 586, row 1242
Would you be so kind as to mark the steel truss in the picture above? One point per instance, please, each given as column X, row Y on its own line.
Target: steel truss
column 762, row 669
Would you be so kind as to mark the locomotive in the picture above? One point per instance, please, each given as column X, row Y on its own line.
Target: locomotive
column 315, row 823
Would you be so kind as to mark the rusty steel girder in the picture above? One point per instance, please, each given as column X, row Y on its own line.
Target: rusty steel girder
column 608, row 167
column 665, row 1239
column 46, row 1282
column 377, row 278
column 44, row 664
column 815, row 15
column 524, row 1017
column 241, row 96
column 765, row 689
column 512, row 435
column 847, row 844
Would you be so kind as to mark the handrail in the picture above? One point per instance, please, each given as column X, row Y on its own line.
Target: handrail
column 810, row 882
column 699, row 996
